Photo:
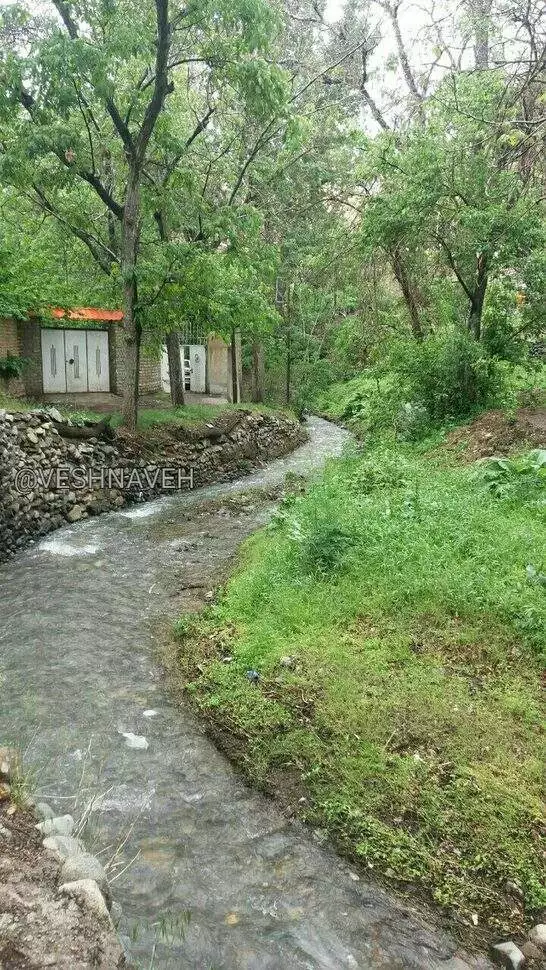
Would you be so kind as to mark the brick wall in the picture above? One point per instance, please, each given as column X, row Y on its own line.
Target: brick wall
column 150, row 367
column 9, row 344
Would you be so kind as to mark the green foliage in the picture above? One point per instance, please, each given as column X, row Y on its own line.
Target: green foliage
column 448, row 195
column 522, row 478
column 410, row 710
column 12, row 366
column 319, row 541
column 449, row 374
column 415, row 386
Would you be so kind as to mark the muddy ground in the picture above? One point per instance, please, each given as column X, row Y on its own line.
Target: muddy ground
column 40, row 927
column 496, row 433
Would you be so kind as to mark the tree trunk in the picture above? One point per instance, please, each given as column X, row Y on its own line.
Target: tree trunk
column 176, row 373
column 478, row 298
column 234, row 374
column 288, row 322
column 480, row 16
column 131, row 325
column 258, row 371
column 408, row 292
column 288, row 364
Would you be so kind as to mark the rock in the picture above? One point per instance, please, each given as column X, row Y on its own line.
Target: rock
column 43, row 810
column 55, row 415
column 83, row 866
column 61, row 825
column 507, row 955
column 116, row 913
column 531, row 951
column 514, row 889
column 5, row 791
column 136, row 741
column 63, row 846
column 9, row 762
column 5, row 833
column 287, row 661
column 32, row 440
column 538, row 935
column 88, row 894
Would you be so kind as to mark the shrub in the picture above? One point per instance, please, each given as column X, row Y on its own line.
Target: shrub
column 11, row 366
column 449, row 374
column 522, row 478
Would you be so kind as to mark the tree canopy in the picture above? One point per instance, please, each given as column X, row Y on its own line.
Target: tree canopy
column 321, row 186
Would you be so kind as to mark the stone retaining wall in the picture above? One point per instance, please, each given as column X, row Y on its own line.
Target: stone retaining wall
column 38, row 466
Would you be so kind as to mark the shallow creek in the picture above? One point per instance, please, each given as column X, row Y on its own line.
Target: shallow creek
column 79, row 617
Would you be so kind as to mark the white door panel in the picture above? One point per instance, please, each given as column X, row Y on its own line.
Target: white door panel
column 197, row 368
column 75, row 349
column 98, row 370
column 53, row 364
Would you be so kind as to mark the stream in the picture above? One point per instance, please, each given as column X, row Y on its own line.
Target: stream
column 79, row 619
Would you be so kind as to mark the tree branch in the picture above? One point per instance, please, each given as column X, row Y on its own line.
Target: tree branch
column 90, row 177
column 161, row 83
column 100, row 252
column 452, row 263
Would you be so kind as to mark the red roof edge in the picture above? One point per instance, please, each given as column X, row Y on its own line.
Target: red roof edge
column 86, row 313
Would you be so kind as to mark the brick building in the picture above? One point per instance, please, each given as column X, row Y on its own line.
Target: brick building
column 83, row 350
column 78, row 350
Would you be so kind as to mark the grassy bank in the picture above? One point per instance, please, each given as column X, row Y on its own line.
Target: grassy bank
column 375, row 662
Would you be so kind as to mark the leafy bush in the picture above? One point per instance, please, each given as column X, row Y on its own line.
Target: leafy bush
column 12, row 366
column 378, row 470
column 522, row 477
column 319, row 536
column 414, row 386
column 449, row 374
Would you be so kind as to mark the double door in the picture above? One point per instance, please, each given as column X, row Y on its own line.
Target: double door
column 74, row 361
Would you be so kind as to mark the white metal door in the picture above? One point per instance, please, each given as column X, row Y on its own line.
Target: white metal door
column 53, row 363
column 197, row 368
column 98, row 369
column 75, row 350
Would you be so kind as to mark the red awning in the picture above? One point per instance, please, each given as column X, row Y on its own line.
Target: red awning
column 86, row 313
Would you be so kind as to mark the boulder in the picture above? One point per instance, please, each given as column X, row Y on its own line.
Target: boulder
column 61, row 825
column 84, row 866
column 538, row 936
column 532, row 952
column 63, row 846
column 55, row 415
column 76, row 513
column 43, row 810
column 87, row 893
column 9, row 762
column 507, row 955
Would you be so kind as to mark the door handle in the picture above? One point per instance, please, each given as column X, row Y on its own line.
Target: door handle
column 71, row 361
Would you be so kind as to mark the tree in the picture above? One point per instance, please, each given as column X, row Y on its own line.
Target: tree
column 83, row 95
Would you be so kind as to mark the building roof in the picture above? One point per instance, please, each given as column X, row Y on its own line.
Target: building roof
column 86, row 313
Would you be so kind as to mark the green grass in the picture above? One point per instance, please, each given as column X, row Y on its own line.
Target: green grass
column 409, row 717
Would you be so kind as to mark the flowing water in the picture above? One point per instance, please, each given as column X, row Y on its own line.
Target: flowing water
column 78, row 620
